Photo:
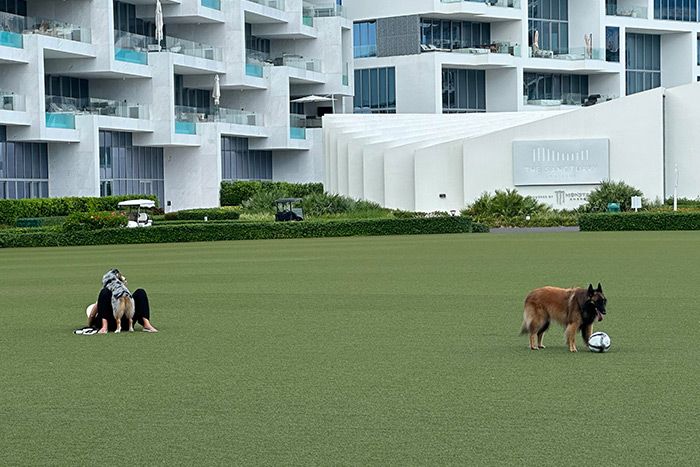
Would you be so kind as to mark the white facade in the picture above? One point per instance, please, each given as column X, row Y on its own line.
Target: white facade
column 444, row 162
column 510, row 57
column 132, row 86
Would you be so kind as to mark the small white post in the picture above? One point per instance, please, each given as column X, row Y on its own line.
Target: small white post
column 675, row 192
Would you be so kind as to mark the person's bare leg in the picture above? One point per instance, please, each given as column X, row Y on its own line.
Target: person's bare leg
column 103, row 329
column 147, row 326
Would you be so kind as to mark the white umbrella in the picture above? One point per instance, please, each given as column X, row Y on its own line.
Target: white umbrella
column 159, row 23
column 311, row 98
column 216, row 95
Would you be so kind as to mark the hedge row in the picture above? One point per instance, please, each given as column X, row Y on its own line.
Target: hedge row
column 13, row 209
column 225, row 213
column 234, row 193
column 640, row 221
column 239, row 231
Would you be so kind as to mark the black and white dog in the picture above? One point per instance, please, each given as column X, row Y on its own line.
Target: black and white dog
column 122, row 301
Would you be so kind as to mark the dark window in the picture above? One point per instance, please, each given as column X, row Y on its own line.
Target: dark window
column 569, row 89
column 240, row 163
column 463, row 91
column 612, row 44
column 446, row 34
column 23, row 169
column 550, row 19
column 375, row 90
column 364, row 39
column 643, row 62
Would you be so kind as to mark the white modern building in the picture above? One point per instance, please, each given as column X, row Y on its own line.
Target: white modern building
column 420, row 162
column 97, row 98
column 456, row 56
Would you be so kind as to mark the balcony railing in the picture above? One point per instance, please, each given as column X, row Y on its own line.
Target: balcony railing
column 276, row 4
column 131, row 48
column 191, row 48
column 507, row 48
column 577, row 53
column 346, row 74
column 255, row 62
column 64, row 120
column 307, row 14
column 186, row 120
column 628, row 11
column 568, row 99
column 297, row 61
column 235, row 117
column 13, row 26
column 499, row 3
column 297, row 126
column 329, row 9
column 213, row 4
column 96, row 106
column 11, row 101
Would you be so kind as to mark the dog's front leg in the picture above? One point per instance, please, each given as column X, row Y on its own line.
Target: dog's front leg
column 571, row 336
column 586, row 332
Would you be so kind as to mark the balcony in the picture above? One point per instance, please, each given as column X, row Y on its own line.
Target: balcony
column 632, row 11
column 579, row 53
column 575, row 99
column 276, row 4
column 329, row 9
column 59, row 106
column 213, row 4
column 11, row 27
column 11, row 101
column 297, row 126
column 186, row 120
column 498, row 3
column 307, row 14
column 131, row 48
column 234, row 117
column 255, row 62
column 191, row 48
column 507, row 48
column 297, row 61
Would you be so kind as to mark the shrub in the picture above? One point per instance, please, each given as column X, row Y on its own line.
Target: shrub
column 612, row 192
column 79, row 221
column 548, row 219
column 262, row 202
column 505, row 204
column 224, row 213
column 13, row 209
column 222, row 230
column 236, row 193
column 640, row 221
column 40, row 221
column 684, row 203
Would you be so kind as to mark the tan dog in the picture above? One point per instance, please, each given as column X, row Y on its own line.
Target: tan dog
column 575, row 309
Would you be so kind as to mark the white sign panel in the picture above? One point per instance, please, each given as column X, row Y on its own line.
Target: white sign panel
column 561, row 162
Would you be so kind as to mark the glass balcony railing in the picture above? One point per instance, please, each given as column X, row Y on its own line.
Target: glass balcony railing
column 329, row 9
column 11, row 28
column 499, row 3
column 233, row 116
column 213, row 4
column 346, row 74
column 193, row 49
column 96, row 106
column 186, row 119
column 297, row 126
column 11, row 101
column 361, row 51
column 576, row 53
column 297, row 61
column 64, row 120
column 307, row 14
column 60, row 29
column 628, row 11
column 508, row 48
column 276, row 4
column 575, row 99
column 131, row 48
column 255, row 62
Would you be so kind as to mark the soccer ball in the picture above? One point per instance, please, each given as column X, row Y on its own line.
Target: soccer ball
column 599, row 342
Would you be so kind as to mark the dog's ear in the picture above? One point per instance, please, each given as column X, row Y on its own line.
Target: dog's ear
column 600, row 288
column 590, row 290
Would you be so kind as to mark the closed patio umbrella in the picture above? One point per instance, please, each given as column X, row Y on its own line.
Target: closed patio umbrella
column 216, row 95
column 159, row 23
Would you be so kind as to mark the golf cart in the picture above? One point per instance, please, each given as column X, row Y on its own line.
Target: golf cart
column 137, row 217
column 289, row 209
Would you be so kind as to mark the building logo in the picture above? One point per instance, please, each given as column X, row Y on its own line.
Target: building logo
column 563, row 162
column 561, row 196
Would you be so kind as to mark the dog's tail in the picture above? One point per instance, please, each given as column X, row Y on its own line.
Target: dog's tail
column 523, row 328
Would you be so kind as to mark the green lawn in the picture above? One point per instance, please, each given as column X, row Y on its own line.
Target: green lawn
column 385, row 350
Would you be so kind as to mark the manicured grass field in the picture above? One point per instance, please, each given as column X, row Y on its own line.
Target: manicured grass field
column 393, row 350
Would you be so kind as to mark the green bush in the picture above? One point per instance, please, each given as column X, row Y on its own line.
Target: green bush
column 13, row 209
column 612, row 192
column 224, row 213
column 40, row 221
column 80, row 221
column 262, row 202
column 548, row 219
column 640, row 221
column 684, row 203
column 505, row 204
column 235, row 193
column 209, row 231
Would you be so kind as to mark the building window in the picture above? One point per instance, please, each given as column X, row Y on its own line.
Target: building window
column 126, row 169
column 365, row 39
column 676, row 10
column 375, row 90
column 568, row 89
column 24, row 169
column 612, row 44
column 196, row 98
column 643, row 62
column 463, row 91
column 550, row 19
column 240, row 163
column 445, row 34
column 125, row 20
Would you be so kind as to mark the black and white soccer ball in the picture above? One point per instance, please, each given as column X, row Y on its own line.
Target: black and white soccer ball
column 599, row 342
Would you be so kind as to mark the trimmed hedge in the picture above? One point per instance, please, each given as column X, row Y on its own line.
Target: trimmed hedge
column 239, row 231
column 40, row 221
column 234, row 193
column 79, row 221
column 199, row 214
column 640, row 221
column 13, row 209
